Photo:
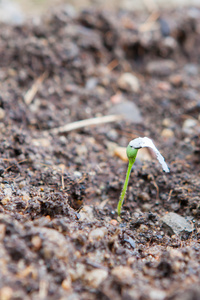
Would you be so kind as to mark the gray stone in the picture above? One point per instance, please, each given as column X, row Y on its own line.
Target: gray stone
column 161, row 67
column 128, row 109
column 191, row 69
column 176, row 224
column 129, row 82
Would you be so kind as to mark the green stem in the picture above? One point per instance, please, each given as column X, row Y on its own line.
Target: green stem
column 121, row 199
column 131, row 154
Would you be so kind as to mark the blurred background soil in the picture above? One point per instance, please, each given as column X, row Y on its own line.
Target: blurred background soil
column 18, row 10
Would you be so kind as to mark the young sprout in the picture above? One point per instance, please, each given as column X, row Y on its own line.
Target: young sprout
column 131, row 152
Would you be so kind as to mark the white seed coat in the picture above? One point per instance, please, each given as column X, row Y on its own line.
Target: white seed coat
column 146, row 142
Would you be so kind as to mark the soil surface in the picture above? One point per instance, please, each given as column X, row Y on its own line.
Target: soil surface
column 60, row 236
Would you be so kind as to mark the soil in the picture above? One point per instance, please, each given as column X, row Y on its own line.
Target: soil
column 60, row 236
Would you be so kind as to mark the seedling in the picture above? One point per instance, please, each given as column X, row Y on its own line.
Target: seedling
column 131, row 152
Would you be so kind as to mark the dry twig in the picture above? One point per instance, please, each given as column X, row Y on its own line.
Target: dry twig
column 85, row 123
column 30, row 94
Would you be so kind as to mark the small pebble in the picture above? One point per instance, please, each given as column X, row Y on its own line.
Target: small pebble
column 144, row 196
column 6, row 293
column 143, row 228
column 86, row 213
column 5, row 200
column 189, row 126
column 129, row 82
column 25, row 197
column 95, row 277
column 176, row 80
column 36, row 242
column 166, row 122
column 117, row 98
column 77, row 272
column 164, row 86
column 91, row 83
column 161, row 67
column 81, row 150
column 7, row 191
column 54, row 244
column 170, row 43
column 112, row 135
column 67, row 284
column 176, row 224
column 113, row 222
column 97, row 234
column 157, row 295
column 129, row 110
column 167, row 133
column 189, row 123
column 146, row 207
column 123, row 274
column 22, row 184
column 2, row 113
column 41, row 142
column 191, row 69
column 121, row 153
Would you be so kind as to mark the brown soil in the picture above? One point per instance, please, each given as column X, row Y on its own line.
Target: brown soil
column 60, row 237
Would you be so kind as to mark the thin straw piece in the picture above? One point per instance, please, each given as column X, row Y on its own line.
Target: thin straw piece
column 84, row 123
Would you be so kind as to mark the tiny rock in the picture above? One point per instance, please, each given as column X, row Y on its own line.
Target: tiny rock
column 81, row 150
column 95, row 277
column 123, row 274
column 189, row 123
column 176, row 80
column 5, row 200
column 36, row 242
column 128, row 109
column 117, row 98
column 176, row 224
column 67, row 284
column 113, row 222
column 41, row 142
column 25, row 196
column 164, row 86
column 167, row 122
column 170, row 43
column 160, row 67
column 77, row 272
column 2, row 113
column 112, row 135
column 167, row 133
column 144, row 196
column 7, row 191
column 191, row 69
column 97, row 234
column 189, row 126
column 128, row 81
column 121, row 153
column 157, row 294
column 22, row 184
column 54, row 244
column 86, row 213
column 6, row 293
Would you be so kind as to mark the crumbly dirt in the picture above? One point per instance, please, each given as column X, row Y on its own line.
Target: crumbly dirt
column 60, row 237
